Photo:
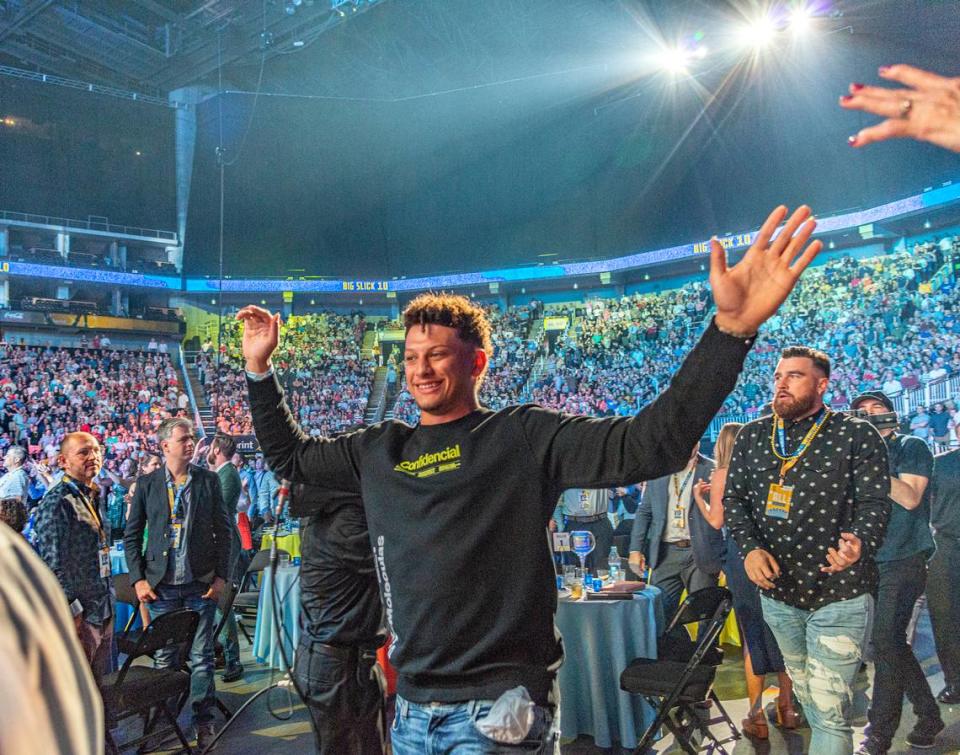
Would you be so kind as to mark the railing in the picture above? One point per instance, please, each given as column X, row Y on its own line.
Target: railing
column 380, row 397
column 197, row 420
column 905, row 402
column 91, row 224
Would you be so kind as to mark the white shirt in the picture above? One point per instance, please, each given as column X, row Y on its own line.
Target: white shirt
column 583, row 502
column 678, row 528
column 14, row 484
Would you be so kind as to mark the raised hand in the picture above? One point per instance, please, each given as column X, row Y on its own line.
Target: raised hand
column 261, row 333
column 927, row 108
column 748, row 293
column 701, row 492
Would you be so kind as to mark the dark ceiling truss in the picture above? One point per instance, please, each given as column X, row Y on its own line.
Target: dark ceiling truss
column 155, row 46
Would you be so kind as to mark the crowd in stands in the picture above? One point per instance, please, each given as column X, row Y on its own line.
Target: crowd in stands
column 891, row 322
column 319, row 363
column 617, row 354
column 119, row 396
column 888, row 324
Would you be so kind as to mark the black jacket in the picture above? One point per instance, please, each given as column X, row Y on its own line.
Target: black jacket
column 208, row 539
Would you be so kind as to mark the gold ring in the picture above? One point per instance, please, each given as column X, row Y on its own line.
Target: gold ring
column 905, row 107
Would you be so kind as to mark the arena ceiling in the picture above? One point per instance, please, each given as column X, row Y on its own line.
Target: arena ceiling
column 154, row 46
column 408, row 136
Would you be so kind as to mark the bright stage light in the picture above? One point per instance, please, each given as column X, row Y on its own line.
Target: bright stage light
column 801, row 19
column 673, row 60
column 758, row 33
column 677, row 60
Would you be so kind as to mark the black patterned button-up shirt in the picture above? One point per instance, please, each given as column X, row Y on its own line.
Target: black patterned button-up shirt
column 71, row 549
column 841, row 484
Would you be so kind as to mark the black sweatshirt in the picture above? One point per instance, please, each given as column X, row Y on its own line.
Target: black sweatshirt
column 458, row 515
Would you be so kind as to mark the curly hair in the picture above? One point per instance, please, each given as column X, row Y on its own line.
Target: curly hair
column 451, row 311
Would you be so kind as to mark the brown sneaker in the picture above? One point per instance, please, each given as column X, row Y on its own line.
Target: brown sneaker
column 755, row 726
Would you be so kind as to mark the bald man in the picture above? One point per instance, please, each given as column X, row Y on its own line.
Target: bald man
column 74, row 542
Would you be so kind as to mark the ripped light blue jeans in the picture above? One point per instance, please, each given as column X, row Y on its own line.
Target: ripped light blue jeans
column 821, row 651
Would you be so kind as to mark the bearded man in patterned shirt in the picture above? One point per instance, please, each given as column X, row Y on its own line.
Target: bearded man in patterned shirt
column 807, row 501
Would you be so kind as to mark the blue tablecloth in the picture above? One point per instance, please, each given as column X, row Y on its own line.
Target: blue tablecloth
column 121, row 611
column 266, row 638
column 600, row 638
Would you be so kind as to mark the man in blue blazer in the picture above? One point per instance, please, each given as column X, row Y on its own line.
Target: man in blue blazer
column 671, row 536
column 186, row 558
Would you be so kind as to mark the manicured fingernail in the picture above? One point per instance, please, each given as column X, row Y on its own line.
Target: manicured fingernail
column 883, row 70
column 856, row 86
column 846, row 98
column 852, row 140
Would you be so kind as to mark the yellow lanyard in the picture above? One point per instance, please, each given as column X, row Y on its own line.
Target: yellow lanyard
column 679, row 488
column 91, row 509
column 789, row 462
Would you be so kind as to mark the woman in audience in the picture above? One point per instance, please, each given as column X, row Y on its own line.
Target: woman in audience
column 761, row 655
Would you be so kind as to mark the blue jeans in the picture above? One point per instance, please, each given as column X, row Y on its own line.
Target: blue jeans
column 202, row 688
column 822, row 650
column 450, row 728
column 229, row 639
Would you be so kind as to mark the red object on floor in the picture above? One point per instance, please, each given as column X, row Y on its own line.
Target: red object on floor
column 388, row 671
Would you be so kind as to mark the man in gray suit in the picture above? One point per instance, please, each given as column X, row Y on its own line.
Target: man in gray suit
column 672, row 537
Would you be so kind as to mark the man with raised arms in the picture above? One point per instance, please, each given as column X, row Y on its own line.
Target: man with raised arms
column 458, row 506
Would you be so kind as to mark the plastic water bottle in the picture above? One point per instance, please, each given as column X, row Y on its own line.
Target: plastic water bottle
column 613, row 561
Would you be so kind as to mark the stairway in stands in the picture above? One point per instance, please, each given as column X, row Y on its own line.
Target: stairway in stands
column 200, row 396
column 539, row 361
column 378, row 394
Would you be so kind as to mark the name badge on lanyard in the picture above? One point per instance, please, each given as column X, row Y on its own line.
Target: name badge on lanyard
column 176, row 515
column 679, row 516
column 680, row 510
column 779, row 500
column 780, row 496
column 104, row 562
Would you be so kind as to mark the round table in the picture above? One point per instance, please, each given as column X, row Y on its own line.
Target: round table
column 600, row 638
column 266, row 637
column 289, row 542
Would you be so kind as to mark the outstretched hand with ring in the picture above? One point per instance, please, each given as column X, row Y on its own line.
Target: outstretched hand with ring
column 926, row 108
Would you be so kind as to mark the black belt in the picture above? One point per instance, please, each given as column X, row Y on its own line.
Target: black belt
column 344, row 652
column 680, row 543
column 586, row 519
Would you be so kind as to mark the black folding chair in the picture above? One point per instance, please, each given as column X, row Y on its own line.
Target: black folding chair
column 146, row 691
column 680, row 682
column 124, row 592
column 246, row 602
